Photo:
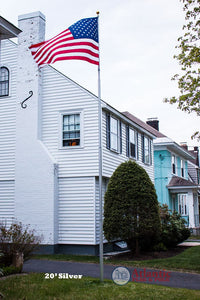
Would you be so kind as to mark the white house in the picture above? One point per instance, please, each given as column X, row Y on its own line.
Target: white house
column 49, row 164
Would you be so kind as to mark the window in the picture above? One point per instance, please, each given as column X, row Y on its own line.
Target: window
column 146, row 150
column 182, row 168
column 4, row 82
column 173, row 164
column 113, row 134
column 182, row 204
column 131, row 142
column 71, row 130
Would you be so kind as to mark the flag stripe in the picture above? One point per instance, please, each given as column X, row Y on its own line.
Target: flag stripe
column 53, row 41
column 71, row 43
column 77, row 58
column 81, row 43
column 66, row 53
column 41, row 51
column 71, row 47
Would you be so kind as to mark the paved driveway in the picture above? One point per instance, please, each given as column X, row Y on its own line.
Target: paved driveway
column 174, row 279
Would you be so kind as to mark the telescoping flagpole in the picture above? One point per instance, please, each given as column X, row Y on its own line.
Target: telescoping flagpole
column 100, row 171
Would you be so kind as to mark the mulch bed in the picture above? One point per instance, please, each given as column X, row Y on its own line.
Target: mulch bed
column 150, row 255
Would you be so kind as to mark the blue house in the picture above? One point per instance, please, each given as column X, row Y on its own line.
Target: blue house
column 173, row 185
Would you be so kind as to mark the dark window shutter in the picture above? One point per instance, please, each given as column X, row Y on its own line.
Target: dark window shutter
column 143, row 148
column 120, row 132
column 137, row 148
column 127, row 141
column 108, row 131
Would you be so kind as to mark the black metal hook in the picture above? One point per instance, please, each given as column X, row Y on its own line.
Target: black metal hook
column 22, row 103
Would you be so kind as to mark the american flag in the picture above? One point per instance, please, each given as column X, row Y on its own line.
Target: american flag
column 79, row 41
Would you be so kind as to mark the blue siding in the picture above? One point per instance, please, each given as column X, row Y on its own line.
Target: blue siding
column 162, row 175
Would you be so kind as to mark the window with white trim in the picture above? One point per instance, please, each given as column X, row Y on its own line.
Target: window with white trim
column 131, row 142
column 146, row 150
column 113, row 134
column 71, row 130
column 173, row 164
column 182, row 168
column 182, row 204
column 4, row 82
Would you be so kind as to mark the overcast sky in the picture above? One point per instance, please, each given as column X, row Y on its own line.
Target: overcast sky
column 137, row 44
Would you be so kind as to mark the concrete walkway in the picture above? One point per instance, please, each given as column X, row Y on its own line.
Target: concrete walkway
column 174, row 279
column 190, row 244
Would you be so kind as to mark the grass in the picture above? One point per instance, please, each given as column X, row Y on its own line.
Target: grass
column 193, row 237
column 188, row 260
column 36, row 287
column 66, row 257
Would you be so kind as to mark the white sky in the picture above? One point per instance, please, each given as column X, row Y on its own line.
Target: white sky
column 137, row 44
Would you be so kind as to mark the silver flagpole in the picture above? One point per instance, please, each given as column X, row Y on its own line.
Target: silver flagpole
column 100, row 171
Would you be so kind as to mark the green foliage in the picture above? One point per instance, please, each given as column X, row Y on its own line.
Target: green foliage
column 189, row 58
column 160, row 247
column 173, row 230
column 10, row 270
column 17, row 238
column 131, row 209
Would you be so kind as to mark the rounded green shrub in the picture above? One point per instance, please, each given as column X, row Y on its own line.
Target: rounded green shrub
column 131, row 210
column 173, row 228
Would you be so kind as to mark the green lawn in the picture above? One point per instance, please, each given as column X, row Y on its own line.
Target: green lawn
column 35, row 286
column 189, row 260
column 194, row 237
column 66, row 257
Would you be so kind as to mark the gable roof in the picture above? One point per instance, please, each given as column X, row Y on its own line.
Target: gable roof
column 178, row 182
column 7, row 29
column 162, row 140
column 196, row 157
column 143, row 124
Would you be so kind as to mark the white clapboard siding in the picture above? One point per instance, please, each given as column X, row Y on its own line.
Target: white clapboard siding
column 7, row 113
column 112, row 160
column 7, row 201
column 76, row 210
column 104, row 187
column 60, row 94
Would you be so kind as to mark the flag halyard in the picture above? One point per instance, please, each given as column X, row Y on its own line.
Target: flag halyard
column 79, row 42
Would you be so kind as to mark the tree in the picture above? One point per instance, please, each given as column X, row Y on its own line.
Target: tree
column 189, row 58
column 131, row 210
column 17, row 238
